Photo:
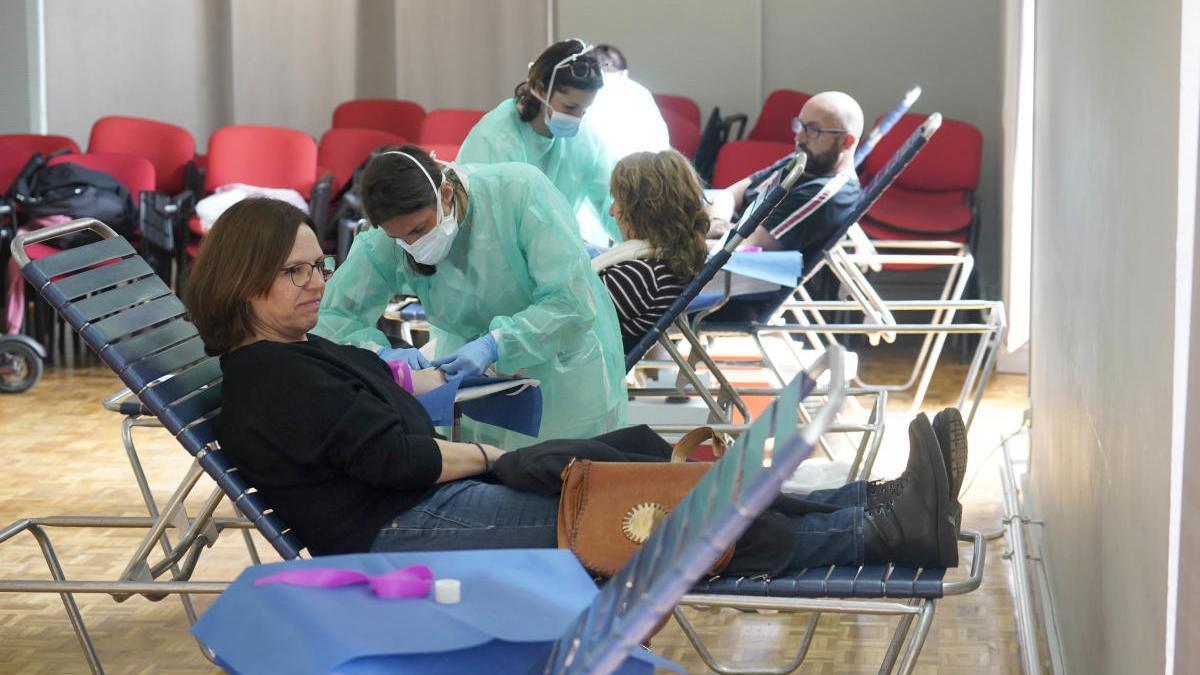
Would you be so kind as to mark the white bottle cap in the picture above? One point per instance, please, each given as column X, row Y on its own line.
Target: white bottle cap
column 447, row 591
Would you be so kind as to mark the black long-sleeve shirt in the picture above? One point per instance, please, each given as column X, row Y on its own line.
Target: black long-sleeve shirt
column 331, row 442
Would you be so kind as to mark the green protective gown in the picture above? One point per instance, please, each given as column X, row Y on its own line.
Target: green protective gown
column 580, row 166
column 516, row 268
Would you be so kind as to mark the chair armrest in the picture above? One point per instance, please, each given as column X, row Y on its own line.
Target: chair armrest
column 728, row 122
column 318, row 206
column 193, row 178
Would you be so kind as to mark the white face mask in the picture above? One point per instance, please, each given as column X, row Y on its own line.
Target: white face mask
column 433, row 246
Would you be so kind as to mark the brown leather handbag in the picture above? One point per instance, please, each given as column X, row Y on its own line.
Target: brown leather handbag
column 607, row 509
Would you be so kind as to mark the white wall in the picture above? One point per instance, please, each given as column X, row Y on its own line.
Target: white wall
column 705, row 49
column 20, row 107
column 1102, row 371
column 464, row 53
column 149, row 58
column 293, row 62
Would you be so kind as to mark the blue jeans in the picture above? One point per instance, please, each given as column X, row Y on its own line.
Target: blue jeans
column 466, row 514
column 832, row 538
column 471, row 514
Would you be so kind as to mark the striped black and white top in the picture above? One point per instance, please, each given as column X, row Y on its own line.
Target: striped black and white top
column 641, row 290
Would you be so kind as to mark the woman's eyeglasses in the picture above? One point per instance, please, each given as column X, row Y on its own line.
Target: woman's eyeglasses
column 301, row 273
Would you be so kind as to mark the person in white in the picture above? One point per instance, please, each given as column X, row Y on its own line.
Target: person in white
column 624, row 112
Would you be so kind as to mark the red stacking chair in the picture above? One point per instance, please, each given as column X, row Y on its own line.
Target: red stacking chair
column 442, row 151
column 341, row 151
column 16, row 149
column 448, row 126
column 135, row 173
column 681, row 106
column 934, row 198
column 774, row 121
column 267, row 157
column 739, row 159
column 683, row 133
column 163, row 217
column 169, row 148
column 394, row 116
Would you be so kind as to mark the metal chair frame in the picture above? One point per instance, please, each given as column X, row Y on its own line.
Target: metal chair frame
column 133, row 321
column 124, row 311
column 902, row 643
column 707, row 521
column 726, row 398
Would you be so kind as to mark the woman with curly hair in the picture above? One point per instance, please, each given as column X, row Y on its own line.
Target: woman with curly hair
column 658, row 204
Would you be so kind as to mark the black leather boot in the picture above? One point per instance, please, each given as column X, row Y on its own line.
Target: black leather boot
column 915, row 528
column 951, row 433
column 882, row 492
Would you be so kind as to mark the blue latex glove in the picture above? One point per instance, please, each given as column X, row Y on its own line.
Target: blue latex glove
column 471, row 358
column 410, row 355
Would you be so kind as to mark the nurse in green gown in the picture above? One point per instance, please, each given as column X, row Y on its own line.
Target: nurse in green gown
column 543, row 125
column 492, row 253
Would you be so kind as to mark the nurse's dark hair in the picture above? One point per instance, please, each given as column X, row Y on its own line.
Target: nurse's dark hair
column 240, row 258
column 586, row 75
column 392, row 185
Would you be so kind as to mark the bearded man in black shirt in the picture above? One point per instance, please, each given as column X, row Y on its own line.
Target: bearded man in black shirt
column 827, row 132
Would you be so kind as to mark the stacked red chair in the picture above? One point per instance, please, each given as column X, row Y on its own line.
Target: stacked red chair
column 169, row 148
column 342, row 150
column 172, row 151
column 444, row 130
column 272, row 157
column 137, row 175
column 395, row 116
column 934, row 198
column 684, row 135
column 774, row 121
column 738, row 159
column 16, row 149
column 681, row 106
column 682, row 116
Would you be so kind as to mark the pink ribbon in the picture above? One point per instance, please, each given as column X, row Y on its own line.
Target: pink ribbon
column 406, row 582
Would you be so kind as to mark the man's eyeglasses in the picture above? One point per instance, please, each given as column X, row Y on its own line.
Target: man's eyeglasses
column 811, row 129
column 301, row 273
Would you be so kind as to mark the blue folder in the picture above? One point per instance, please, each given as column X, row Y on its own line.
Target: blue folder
column 519, row 411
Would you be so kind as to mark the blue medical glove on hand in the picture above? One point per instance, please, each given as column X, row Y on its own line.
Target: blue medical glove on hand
column 470, row 359
column 410, row 355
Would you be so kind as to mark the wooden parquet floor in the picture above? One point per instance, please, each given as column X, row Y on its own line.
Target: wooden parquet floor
column 61, row 453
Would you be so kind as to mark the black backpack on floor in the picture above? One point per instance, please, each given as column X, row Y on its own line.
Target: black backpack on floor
column 76, row 191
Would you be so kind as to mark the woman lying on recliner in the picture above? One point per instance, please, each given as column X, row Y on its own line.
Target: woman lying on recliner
column 351, row 461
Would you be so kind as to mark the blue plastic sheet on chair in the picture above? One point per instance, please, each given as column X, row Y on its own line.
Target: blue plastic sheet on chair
column 704, row 301
column 519, row 411
column 778, row 267
column 515, row 602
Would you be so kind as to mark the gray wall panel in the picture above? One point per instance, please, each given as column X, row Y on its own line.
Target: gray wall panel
column 1103, row 322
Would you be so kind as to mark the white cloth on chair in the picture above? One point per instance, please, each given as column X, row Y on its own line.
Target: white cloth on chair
column 211, row 207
